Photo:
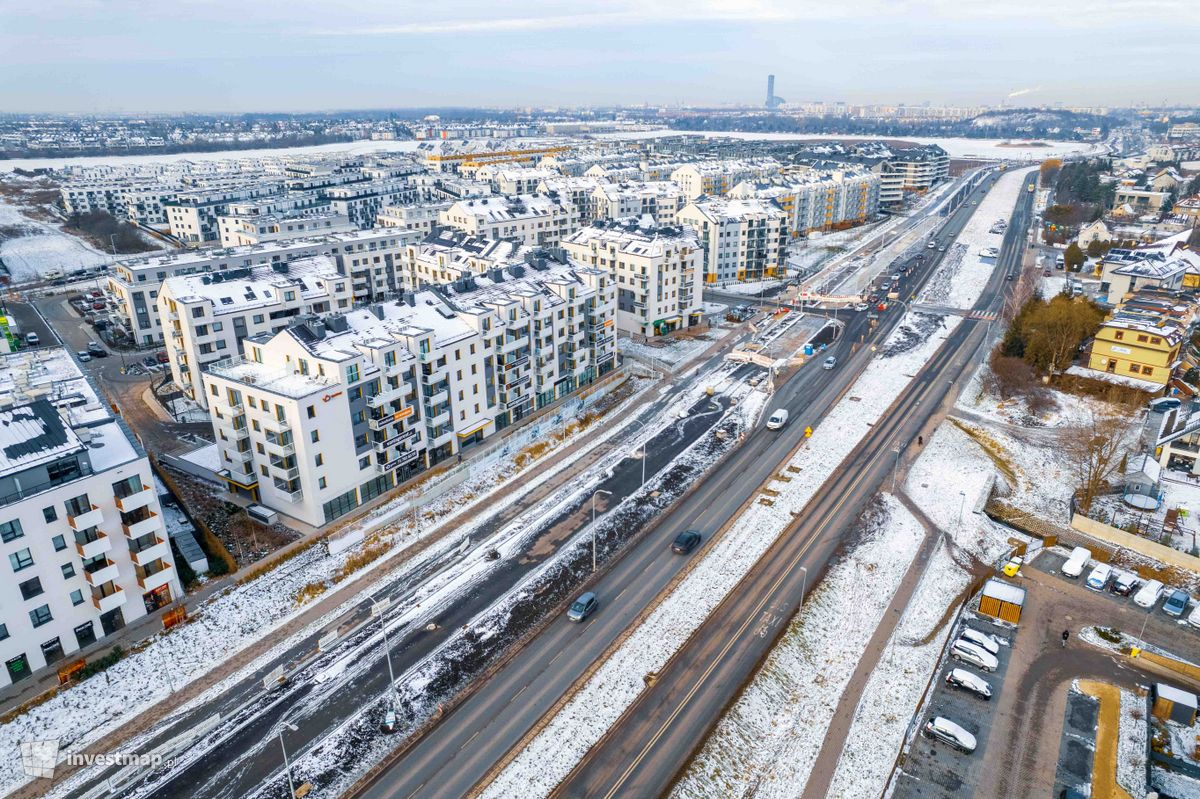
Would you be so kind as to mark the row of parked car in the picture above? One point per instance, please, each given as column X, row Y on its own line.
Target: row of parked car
column 973, row 648
column 1145, row 593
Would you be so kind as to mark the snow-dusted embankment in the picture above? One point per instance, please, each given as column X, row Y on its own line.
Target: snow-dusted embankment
column 768, row 740
column 617, row 683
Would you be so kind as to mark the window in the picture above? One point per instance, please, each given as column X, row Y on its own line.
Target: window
column 85, row 634
column 60, row 543
column 355, row 393
column 31, row 588
column 1133, row 367
column 352, row 373
column 320, row 459
column 68, row 571
column 40, row 616
column 50, row 514
column 364, row 462
column 3, row 631
column 11, row 531
column 77, row 597
column 198, row 312
column 321, row 482
column 1155, row 340
column 312, row 413
column 20, row 560
column 315, row 435
column 1146, row 370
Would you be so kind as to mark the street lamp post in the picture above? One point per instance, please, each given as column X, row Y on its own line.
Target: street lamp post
column 599, row 491
column 803, row 585
column 961, row 503
column 895, row 466
column 377, row 610
column 287, row 766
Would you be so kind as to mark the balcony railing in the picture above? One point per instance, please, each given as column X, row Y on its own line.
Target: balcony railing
column 101, row 572
column 142, row 527
column 278, row 426
column 160, row 548
column 110, row 600
column 279, row 448
column 286, row 472
column 403, row 459
column 85, row 519
column 155, row 575
column 138, row 499
column 385, row 396
column 93, row 544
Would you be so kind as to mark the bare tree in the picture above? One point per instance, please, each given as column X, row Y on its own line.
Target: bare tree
column 1095, row 449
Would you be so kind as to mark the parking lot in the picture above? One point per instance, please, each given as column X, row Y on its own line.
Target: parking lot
column 933, row 769
column 1078, row 749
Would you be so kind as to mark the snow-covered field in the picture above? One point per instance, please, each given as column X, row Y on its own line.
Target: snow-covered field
column 239, row 616
column 766, row 743
column 672, row 352
column 43, row 247
column 1172, row 783
column 1066, row 410
column 963, row 274
column 617, row 683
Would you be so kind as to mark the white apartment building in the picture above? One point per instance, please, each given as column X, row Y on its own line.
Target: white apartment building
column 716, row 178
column 449, row 255
column 419, row 216
column 209, row 315
column 324, row 416
column 138, row 200
column 657, row 271
column 360, row 202
column 578, row 191
column 743, row 239
column 369, row 257
column 536, row 220
column 819, row 200
column 508, row 179
column 192, row 215
column 245, row 231
column 86, row 550
column 660, row 200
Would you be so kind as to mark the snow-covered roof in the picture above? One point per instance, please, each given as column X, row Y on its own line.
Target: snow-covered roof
column 1143, row 464
column 33, row 434
column 242, row 289
column 720, row 209
column 1176, row 695
column 1005, row 592
column 634, row 239
column 490, row 210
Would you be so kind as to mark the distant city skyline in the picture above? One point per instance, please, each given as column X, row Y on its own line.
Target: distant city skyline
column 87, row 56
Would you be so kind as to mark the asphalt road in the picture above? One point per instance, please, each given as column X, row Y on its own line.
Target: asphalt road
column 451, row 758
column 642, row 754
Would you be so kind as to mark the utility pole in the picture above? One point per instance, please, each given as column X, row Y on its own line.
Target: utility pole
column 600, row 491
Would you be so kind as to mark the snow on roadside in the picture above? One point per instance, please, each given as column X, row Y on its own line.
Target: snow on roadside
column 242, row 614
column 672, row 351
column 1132, row 732
column 617, row 683
column 964, row 274
column 895, row 687
column 1172, row 783
column 766, row 743
column 1065, row 410
column 41, row 247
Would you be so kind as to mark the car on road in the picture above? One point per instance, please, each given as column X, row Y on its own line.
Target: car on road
column 1148, row 594
column 830, row 362
column 583, row 607
column 161, row 356
column 973, row 655
column 931, row 245
column 862, row 306
column 33, row 339
column 1176, row 604
column 778, row 420
column 979, row 638
column 961, row 678
column 940, row 728
column 942, row 248
column 96, row 349
column 895, row 278
column 685, row 542
column 83, row 356
column 1098, row 579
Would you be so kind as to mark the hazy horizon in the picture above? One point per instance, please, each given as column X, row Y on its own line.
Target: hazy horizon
column 128, row 56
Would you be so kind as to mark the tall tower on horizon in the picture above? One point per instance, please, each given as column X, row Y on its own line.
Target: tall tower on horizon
column 772, row 100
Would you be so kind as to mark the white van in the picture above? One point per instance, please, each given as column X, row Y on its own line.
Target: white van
column 777, row 420
column 974, row 655
column 1099, row 577
column 1074, row 565
column 1148, row 594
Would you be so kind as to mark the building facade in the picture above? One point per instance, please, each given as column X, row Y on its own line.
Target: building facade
column 743, row 239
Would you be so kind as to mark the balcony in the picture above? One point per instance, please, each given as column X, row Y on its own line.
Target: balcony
column 241, row 456
column 378, row 423
column 86, row 519
column 277, row 426
column 285, row 472
column 435, row 398
column 176, row 333
column 279, row 448
column 138, row 499
column 90, row 543
column 245, row 477
column 150, row 524
column 109, row 600
column 155, row 575
column 516, row 364
column 237, row 433
column 385, row 396
column 237, row 410
column 290, row 496
column 403, row 459
column 437, row 420
column 161, row 548
column 101, row 572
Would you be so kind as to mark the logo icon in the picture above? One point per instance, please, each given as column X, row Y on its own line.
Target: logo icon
column 38, row 758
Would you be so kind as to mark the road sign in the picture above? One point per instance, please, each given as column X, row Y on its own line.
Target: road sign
column 808, row 432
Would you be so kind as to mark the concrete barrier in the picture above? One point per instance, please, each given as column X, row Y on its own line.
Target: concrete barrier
column 1112, row 535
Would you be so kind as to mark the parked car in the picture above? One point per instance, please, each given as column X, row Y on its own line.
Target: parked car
column 961, row 678
column 96, row 349
column 940, row 728
column 583, row 607
column 83, row 356
column 1148, row 594
column 1125, row 583
column 1098, row 579
column 830, row 362
column 988, row 642
column 1176, row 604
column 973, row 655
column 778, row 420
column 33, row 339
column 685, row 542
column 1074, row 565
column 161, row 356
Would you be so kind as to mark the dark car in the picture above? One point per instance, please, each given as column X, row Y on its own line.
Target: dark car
column 583, row 607
column 161, row 356
column 96, row 350
column 685, row 542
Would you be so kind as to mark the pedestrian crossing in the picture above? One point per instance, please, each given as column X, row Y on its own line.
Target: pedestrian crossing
column 966, row 313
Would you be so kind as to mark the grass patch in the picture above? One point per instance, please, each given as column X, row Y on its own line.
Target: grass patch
column 1110, row 634
column 991, row 448
column 310, row 592
column 361, row 559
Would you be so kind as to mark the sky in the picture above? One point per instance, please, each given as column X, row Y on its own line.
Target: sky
column 148, row 56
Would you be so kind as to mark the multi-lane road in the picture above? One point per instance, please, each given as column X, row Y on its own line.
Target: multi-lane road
column 453, row 756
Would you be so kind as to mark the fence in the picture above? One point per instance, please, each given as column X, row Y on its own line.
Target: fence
column 1111, row 535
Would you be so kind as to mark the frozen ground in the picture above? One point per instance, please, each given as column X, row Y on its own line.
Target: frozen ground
column 672, row 352
column 237, row 617
column 1131, row 744
column 766, row 743
column 1067, row 410
column 617, row 683
column 1173, row 783
column 41, row 247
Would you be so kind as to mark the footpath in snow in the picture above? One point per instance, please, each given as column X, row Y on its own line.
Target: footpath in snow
column 617, row 683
